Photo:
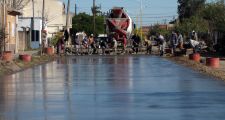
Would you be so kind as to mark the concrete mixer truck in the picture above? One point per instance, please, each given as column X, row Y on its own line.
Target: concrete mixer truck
column 119, row 25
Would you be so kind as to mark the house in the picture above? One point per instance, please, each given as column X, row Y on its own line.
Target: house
column 55, row 14
column 29, row 37
column 11, row 31
column 8, row 26
column 145, row 30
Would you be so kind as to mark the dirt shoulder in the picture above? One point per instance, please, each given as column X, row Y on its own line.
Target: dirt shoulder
column 201, row 67
column 17, row 65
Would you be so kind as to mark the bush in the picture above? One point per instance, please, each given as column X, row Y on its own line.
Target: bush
column 55, row 39
column 156, row 29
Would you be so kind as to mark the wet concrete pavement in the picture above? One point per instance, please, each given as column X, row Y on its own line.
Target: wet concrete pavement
column 111, row 88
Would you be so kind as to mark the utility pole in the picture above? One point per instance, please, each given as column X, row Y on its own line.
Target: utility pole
column 32, row 26
column 33, row 7
column 75, row 9
column 94, row 13
column 67, row 15
column 66, row 31
column 4, row 24
column 43, row 27
column 14, row 4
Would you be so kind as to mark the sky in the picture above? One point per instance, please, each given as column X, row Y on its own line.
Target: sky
column 153, row 11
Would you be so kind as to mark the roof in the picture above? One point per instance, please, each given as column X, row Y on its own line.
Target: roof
column 14, row 12
column 30, row 18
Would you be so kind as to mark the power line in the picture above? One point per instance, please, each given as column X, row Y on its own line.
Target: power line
column 156, row 16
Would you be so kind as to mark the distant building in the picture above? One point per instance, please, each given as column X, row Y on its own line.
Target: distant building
column 145, row 30
column 166, row 26
column 55, row 14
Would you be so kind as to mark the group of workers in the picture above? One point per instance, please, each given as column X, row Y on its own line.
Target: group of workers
column 85, row 42
column 176, row 40
column 79, row 42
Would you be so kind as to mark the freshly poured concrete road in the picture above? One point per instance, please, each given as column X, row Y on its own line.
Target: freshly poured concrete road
column 111, row 88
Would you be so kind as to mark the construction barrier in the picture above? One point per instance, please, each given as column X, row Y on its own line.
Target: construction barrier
column 25, row 58
column 168, row 50
column 213, row 62
column 50, row 50
column 195, row 57
column 7, row 56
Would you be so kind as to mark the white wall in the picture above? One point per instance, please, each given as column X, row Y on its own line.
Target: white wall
column 26, row 22
column 54, row 14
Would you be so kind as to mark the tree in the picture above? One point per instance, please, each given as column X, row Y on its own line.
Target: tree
column 9, row 5
column 156, row 29
column 214, row 13
column 56, row 38
column 206, row 18
column 16, row 4
column 83, row 22
column 188, row 8
column 194, row 23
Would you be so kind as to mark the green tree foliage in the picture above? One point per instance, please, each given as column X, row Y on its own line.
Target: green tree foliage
column 156, row 30
column 214, row 13
column 100, row 27
column 84, row 22
column 188, row 8
column 204, row 18
column 56, row 38
column 194, row 23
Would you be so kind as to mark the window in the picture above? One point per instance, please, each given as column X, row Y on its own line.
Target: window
column 35, row 35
